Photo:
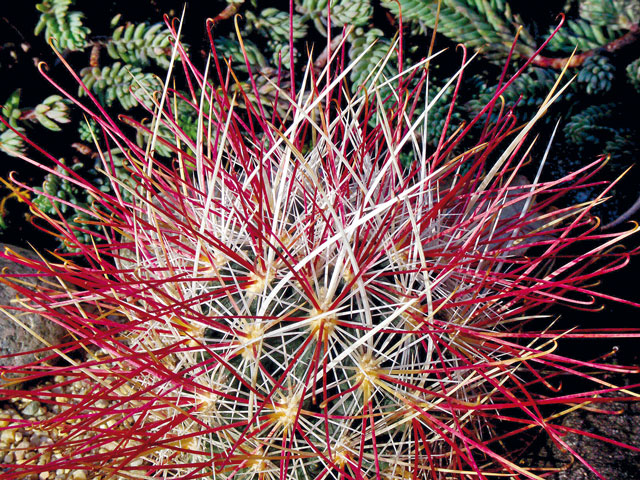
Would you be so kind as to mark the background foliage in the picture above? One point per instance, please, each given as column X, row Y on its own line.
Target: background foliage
column 128, row 49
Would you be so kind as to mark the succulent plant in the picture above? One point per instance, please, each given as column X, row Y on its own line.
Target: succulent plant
column 62, row 27
column 286, row 299
column 116, row 60
column 52, row 111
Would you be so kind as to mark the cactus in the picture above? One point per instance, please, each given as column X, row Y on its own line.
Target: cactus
column 285, row 300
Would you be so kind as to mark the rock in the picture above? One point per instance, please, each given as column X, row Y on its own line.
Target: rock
column 14, row 338
column 31, row 409
column 611, row 461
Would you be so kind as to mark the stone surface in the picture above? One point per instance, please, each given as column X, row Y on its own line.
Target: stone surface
column 611, row 461
column 13, row 337
column 620, row 422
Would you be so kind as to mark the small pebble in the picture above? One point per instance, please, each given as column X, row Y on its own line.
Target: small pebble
column 79, row 475
column 21, row 440
column 21, row 450
column 8, row 436
column 31, row 409
column 45, row 458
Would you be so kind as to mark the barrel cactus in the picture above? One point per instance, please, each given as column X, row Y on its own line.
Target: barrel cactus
column 312, row 295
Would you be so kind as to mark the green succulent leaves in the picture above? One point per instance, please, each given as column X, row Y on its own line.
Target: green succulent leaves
column 274, row 24
column 481, row 24
column 378, row 48
column 52, row 112
column 581, row 34
column 127, row 85
column 633, row 74
column 139, row 44
column 65, row 28
column 230, row 49
column 621, row 13
column 597, row 74
column 11, row 110
column 343, row 12
column 11, row 143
